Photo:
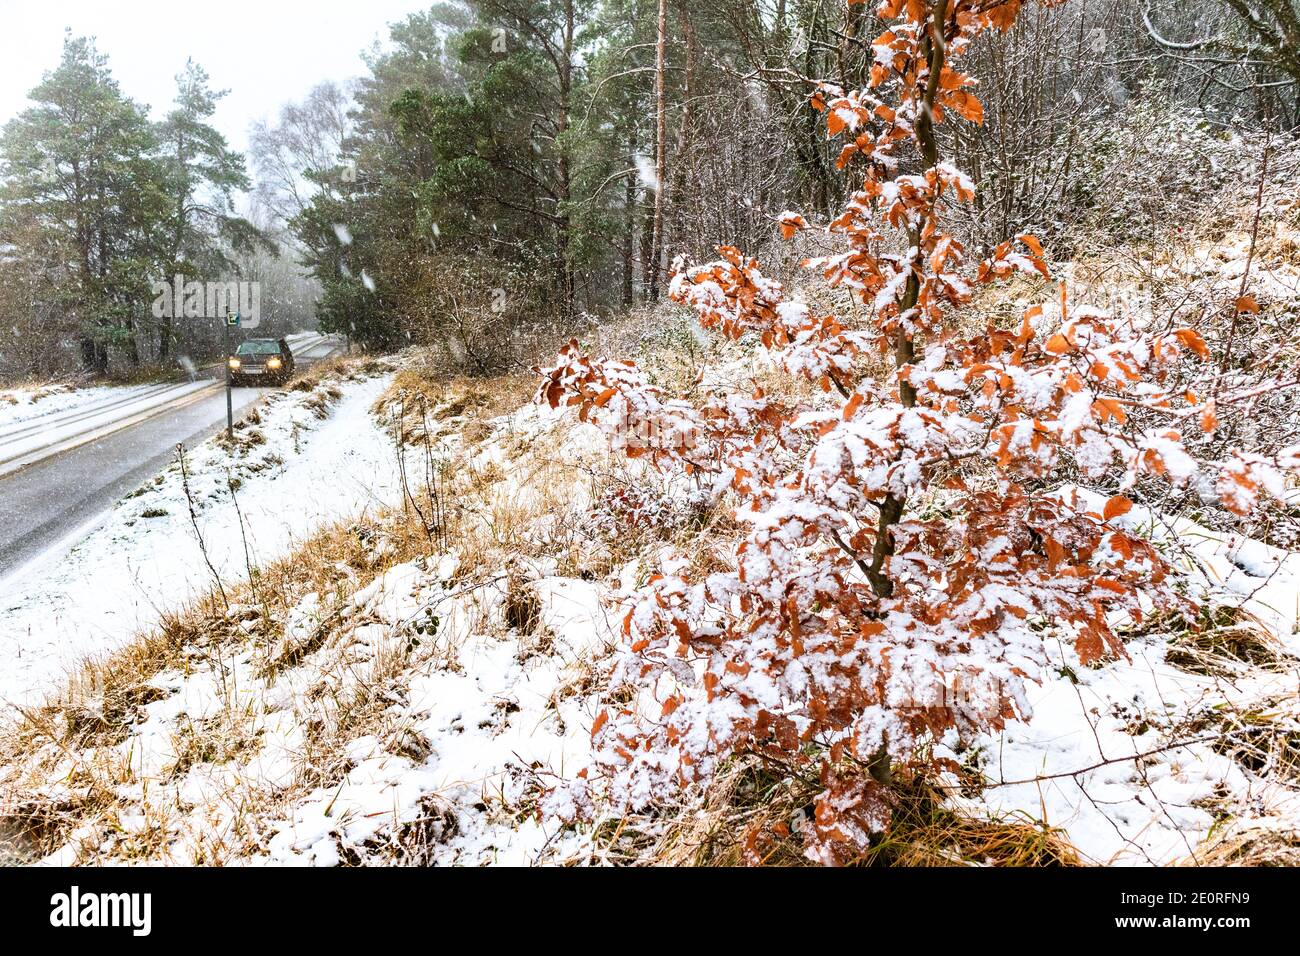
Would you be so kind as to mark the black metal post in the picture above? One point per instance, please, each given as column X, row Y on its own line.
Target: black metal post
column 230, row 404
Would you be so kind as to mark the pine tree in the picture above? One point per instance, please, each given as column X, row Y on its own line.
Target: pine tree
column 203, row 176
column 80, row 172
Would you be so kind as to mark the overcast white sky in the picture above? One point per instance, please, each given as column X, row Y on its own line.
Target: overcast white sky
column 266, row 52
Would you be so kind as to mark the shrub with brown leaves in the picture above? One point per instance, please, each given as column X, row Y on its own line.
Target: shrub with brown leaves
column 849, row 631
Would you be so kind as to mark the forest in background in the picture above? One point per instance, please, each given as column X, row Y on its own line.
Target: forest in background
column 508, row 172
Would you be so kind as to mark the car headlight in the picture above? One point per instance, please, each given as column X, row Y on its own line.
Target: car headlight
column 234, row 363
column 273, row 363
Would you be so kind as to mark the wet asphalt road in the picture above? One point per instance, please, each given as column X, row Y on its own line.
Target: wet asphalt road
column 48, row 502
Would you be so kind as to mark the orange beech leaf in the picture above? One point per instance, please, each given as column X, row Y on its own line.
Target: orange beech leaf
column 1191, row 339
column 1247, row 303
column 1108, row 409
column 1209, row 420
column 1003, row 15
column 1058, row 344
column 1153, row 460
column 791, row 223
column 950, row 79
column 1115, row 507
column 1090, row 647
column 966, row 104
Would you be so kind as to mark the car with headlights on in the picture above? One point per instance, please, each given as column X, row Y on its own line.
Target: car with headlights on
column 261, row 362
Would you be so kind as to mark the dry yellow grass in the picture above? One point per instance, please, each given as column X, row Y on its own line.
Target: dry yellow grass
column 63, row 776
column 749, row 800
column 1247, row 845
column 496, row 503
column 96, row 708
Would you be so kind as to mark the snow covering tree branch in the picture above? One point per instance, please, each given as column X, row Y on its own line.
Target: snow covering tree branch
column 851, row 632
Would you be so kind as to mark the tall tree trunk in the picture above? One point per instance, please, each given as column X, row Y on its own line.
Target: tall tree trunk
column 106, row 291
column 133, row 343
column 167, row 330
column 661, row 148
column 677, row 199
column 850, row 56
column 647, row 246
column 567, row 278
column 819, row 197
column 629, row 221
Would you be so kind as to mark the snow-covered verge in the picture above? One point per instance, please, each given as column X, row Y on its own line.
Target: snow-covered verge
column 399, row 689
column 409, row 684
column 19, row 405
column 147, row 557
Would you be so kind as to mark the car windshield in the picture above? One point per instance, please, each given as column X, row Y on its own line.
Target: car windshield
column 259, row 348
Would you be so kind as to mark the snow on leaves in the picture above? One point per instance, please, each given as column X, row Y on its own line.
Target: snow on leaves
column 849, row 630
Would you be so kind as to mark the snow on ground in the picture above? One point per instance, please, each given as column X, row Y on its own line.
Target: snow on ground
column 477, row 714
column 472, row 715
column 263, row 758
column 145, row 557
column 27, row 404
column 482, row 713
column 1071, row 765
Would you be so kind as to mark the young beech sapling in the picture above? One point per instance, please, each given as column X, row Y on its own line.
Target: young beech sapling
column 849, row 632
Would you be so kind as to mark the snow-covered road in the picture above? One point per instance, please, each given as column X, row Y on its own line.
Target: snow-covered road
column 28, row 441
column 58, row 496
column 91, row 595
column 65, row 460
column 32, row 433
